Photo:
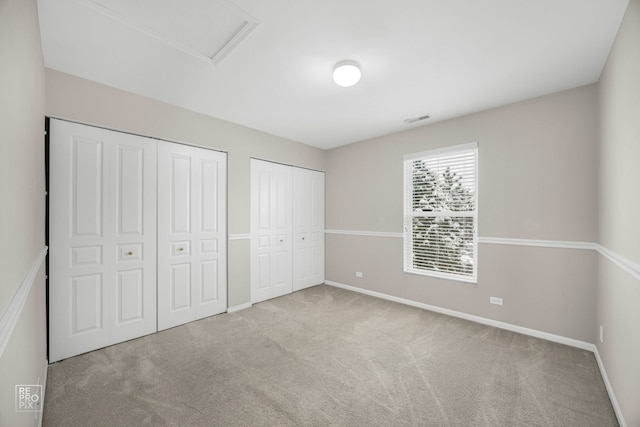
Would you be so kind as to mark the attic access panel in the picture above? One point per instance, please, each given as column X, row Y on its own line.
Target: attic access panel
column 206, row 29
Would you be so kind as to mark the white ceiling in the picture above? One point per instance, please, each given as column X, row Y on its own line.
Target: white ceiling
column 418, row 57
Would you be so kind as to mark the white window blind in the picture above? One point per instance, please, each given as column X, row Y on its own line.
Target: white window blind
column 440, row 214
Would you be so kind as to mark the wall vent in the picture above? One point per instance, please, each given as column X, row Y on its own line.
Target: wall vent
column 416, row 119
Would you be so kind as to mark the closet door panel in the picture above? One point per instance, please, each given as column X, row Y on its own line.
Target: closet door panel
column 87, row 304
column 131, row 191
column 191, row 234
column 281, row 276
column 308, row 228
column 287, row 229
column 209, row 285
column 132, row 160
column 79, row 251
column 316, row 266
column 180, row 190
column 209, row 243
column 130, row 296
column 261, row 235
column 281, row 268
column 101, row 285
column 263, row 275
column 209, row 216
column 180, row 288
column 281, row 200
column 87, row 183
column 271, row 274
column 175, row 279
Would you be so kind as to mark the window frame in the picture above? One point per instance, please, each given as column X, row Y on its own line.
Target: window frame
column 409, row 214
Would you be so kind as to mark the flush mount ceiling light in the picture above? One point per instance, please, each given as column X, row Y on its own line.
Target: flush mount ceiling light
column 346, row 73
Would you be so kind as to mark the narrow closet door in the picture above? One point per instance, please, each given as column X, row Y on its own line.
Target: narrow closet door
column 271, row 193
column 308, row 228
column 192, row 275
column 133, row 161
column 102, row 234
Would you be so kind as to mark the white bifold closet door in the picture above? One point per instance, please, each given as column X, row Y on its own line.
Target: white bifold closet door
column 102, row 237
column 271, row 250
column 287, row 229
column 308, row 228
column 137, row 236
column 192, row 264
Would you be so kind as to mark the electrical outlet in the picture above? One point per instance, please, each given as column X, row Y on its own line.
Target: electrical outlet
column 495, row 300
column 359, row 274
column 601, row 333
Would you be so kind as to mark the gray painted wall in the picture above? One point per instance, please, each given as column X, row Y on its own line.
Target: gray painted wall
column 537, row 180
column 22, row 187
column 546, row 148
column 72, row 98
column 618, row 290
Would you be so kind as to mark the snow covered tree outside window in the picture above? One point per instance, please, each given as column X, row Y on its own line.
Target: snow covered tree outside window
column 440, row 213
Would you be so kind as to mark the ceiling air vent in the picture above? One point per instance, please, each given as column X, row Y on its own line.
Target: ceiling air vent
column 416, row 119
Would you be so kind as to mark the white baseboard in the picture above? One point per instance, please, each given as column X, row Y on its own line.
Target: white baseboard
column 483, row 320
column 612, row 395
column 239, row 236
column 239, row 307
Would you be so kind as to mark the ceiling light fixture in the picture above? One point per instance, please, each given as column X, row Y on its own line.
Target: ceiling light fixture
column 346, row 73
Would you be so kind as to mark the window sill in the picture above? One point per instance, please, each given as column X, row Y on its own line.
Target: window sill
column 454, row 277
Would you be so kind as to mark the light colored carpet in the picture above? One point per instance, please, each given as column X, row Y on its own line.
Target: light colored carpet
column 330, row 357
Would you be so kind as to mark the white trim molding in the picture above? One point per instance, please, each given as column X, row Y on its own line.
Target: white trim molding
column 562, row 244
column 612, row 395
column 239, row 236
column 11, row 315
column 238, row 307
column 622, row 262
column 483, row 320
column 365, row 233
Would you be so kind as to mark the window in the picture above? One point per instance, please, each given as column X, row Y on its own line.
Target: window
column 440, row 214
